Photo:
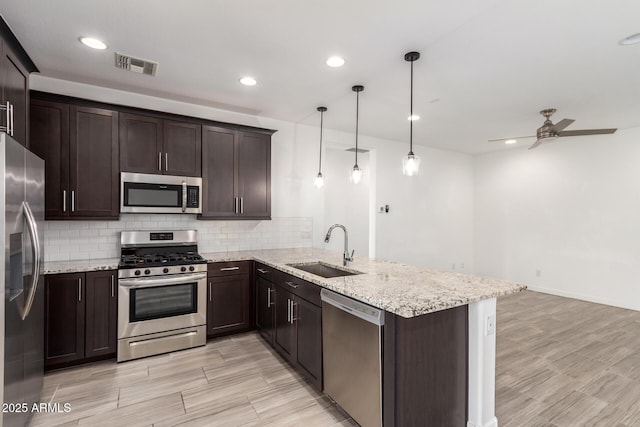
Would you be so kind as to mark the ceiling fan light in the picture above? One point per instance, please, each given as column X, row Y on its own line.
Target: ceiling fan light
column 510, row 141
column 410, row 165
column 319, row 181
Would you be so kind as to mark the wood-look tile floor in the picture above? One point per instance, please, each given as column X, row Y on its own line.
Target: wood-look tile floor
column 565, row 362
column 560, row 362
column 235, row 381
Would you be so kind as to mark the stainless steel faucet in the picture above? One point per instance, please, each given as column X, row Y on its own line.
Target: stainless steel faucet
column 345, row 255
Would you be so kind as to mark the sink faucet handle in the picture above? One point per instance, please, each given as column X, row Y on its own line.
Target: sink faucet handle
column 351, row 257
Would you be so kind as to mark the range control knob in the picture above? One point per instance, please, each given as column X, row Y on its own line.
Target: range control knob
column 183, row 269
column 147, row 271
column 165, row 270
column 137, row 272
column 191, row 268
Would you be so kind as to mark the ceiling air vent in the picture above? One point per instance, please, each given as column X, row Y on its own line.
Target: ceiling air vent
column 360, row 150
column 136, row 65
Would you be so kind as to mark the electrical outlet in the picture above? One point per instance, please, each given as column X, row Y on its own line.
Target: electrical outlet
column 538, row 273
column 462, row 266
column 491, row 325
column 453, row 267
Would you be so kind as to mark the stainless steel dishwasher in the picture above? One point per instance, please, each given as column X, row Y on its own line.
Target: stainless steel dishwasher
column 352, row 356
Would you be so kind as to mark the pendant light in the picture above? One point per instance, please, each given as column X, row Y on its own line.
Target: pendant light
column 319, row 181
column 356, row 172
column 411, row 162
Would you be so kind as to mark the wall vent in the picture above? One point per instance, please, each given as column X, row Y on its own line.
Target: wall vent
column 360, row 150
column 137, row 65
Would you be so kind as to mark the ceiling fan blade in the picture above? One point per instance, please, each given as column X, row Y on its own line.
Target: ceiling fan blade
column 586, row 132
column 562, row 124
column 513, row 137
column 535, row 144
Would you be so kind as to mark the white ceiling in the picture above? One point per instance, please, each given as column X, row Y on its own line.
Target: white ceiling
column 487, row 67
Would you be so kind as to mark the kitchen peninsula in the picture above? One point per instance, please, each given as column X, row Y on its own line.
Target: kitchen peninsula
column 439, row 336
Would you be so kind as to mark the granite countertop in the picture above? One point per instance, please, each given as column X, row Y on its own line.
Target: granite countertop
column 402, row 289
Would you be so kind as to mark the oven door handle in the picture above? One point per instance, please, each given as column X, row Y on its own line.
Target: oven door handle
column 144, row 282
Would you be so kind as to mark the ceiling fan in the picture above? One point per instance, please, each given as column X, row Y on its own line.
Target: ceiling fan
column 549, row 132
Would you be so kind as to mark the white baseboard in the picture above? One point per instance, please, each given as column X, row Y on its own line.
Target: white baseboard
column 631, row 305
column 490, row 423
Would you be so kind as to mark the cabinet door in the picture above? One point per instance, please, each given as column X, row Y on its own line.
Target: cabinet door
column 15, row 81
column 182, row 143
column 229, row 304
column 219, row 181
column 49, row 139
column 101, row 311
column 254, row 175
column 93, row 177
column 265, row 301
column 140, row 144
column 308, row 321
column 64, row 318
column 285, row 334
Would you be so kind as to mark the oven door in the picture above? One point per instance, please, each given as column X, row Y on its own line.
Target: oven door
column 147, row 305
column 146, row 193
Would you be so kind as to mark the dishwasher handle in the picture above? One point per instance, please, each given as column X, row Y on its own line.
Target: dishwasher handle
column 356, row 308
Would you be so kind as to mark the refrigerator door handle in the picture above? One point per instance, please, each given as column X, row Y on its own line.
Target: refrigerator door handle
column 35, row 244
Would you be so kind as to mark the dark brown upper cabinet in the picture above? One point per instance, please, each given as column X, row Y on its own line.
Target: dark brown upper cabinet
column 153, row 145
column 236, row 172
column 15, row 66
column 80, row 147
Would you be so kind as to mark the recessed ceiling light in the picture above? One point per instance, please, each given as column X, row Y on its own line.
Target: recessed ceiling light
column 413, row 118
column 93, row 43
column 335, row 61
column 633, row 39
column 248, row 81
column 511, row 141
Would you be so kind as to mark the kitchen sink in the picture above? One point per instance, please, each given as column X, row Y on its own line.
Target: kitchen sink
column 323, row 270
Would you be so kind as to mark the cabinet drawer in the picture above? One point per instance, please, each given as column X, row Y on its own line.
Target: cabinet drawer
column 228, row 268
column 300, row 287
column 266, row 272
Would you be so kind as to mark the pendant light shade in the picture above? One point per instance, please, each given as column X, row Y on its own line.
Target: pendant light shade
column 319, row 181
column 411, row 162
column 356, row 172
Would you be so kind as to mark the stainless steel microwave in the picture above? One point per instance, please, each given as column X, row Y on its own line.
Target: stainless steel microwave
column 146, row 193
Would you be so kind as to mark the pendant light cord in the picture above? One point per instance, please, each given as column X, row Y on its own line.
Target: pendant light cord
column 357, row 116
column 320, row 161
column 411, row 115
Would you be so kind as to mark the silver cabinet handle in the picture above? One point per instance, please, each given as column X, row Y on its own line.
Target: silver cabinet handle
column 209, row 291
column 293, row 311
column 11, row 114
column 113, row 288
column 235, row 205
column 269, row 290
column 241, row 205
column 64, row 200
column 230, row 268
column 166, row 161
column 6, row 128
column 159, row 161
column 73, row 201
column 79, row 289
column 288, row 310
column 263, row 271
column 291, row 284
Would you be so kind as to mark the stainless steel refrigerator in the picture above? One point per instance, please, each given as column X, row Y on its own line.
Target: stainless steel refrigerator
column 22, row 320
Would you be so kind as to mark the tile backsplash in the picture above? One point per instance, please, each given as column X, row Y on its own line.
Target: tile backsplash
column 76, row 240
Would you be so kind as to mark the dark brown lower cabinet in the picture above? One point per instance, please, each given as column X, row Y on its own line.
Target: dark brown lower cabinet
column 308, row 322
column 265, row 303
column 230, row 304
column 285, row 334
column 80, row 317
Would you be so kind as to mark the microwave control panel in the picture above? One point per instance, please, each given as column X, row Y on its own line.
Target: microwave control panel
column 193, row 197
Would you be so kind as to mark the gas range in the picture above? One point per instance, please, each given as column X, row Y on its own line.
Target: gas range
column 162, row 293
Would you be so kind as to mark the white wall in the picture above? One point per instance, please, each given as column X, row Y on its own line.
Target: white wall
column 570, row 210
column 347, row 203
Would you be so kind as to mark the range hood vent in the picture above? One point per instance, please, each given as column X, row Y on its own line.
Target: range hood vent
column 137, row 65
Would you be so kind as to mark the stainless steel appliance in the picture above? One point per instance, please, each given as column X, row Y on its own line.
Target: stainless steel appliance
column 161, row 293
column 146, row 193
column 22, row 193
column 352, row 356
